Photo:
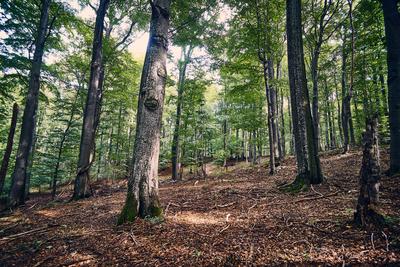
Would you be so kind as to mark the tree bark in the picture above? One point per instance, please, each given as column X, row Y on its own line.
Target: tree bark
column 392, row 29
column 308, row 165
column 82, row 186
column 17, row 193
column 272, row 142
column 175, row 149
column 345, row 102
column 8, row 150
column 367, row 212
column 142, row 196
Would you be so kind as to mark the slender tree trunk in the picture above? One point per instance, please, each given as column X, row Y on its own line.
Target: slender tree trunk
column 345, row 102
column 61, row 147
column 308, row 165
column 82, row 186
column 273, row 99
column 383, row 92
column 392, row 26
column 339, row 118
column 17, row 193
column 291, row 144
column 224, row 131
column 142, row 196
column 282, row 115
column 272, row 143
column 315, row 98
column 175, row 150
column 8, row 150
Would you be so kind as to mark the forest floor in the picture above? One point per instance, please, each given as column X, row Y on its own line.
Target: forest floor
column 236, row 218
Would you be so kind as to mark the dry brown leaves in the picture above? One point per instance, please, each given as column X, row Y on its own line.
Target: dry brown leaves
column 235, row 219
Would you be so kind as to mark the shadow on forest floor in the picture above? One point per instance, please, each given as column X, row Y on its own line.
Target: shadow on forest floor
column 234, row 219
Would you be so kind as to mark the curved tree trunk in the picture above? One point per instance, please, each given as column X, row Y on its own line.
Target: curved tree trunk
column 10, row 142
column 392, row 29
column 142, row 196
column 17, row 193
column 82, row 186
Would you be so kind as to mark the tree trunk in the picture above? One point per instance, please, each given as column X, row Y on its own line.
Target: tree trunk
column 272, row 143
column 17, row 193
column 315, row 98
column 308, row 165
column 142, row 196
column 367, row 212
column 8, row 150
column 175, row 149
column 345, row 102
column 82, row 186
column 61, row 147
column 282, row 115
column 392, row 26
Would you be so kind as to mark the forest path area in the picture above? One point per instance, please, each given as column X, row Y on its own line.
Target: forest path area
column 237, row 218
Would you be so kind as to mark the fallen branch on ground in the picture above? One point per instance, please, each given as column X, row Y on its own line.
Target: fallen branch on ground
column 37, row 230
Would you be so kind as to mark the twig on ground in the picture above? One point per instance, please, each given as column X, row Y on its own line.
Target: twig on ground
column 225, row 205
column 372, row 241
column 314, row 198
column 132, row 236
column 31, row 207
column 223, row 229
column 9, row 227
column 316, row 192
column 37, row 230
column 387, row 242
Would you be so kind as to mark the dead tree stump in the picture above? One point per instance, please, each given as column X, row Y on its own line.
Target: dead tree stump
column 370, row 174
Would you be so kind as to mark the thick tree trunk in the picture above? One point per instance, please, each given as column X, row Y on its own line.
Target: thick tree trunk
column 17, row 193
column 142, row 196
column 8, row 150
column 82, row 186
column 175, row 149
column 308, row 165
column 367, row 212
column 392, row 30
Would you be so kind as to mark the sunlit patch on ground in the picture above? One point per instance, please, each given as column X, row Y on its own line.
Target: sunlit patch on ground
column 237, row 218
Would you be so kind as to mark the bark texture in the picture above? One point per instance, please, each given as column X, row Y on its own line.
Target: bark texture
column 392, row 29
column 10, row 142
column 368, row 198
column 82, row 186
column 17, row 193
column 142, row 196
column 308, row 164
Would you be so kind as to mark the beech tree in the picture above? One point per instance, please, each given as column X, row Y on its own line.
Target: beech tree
column 308, row 164
column 142, row 196
column 82, row 186
column 392, row 28
column 19, row 177
column 10, row 142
